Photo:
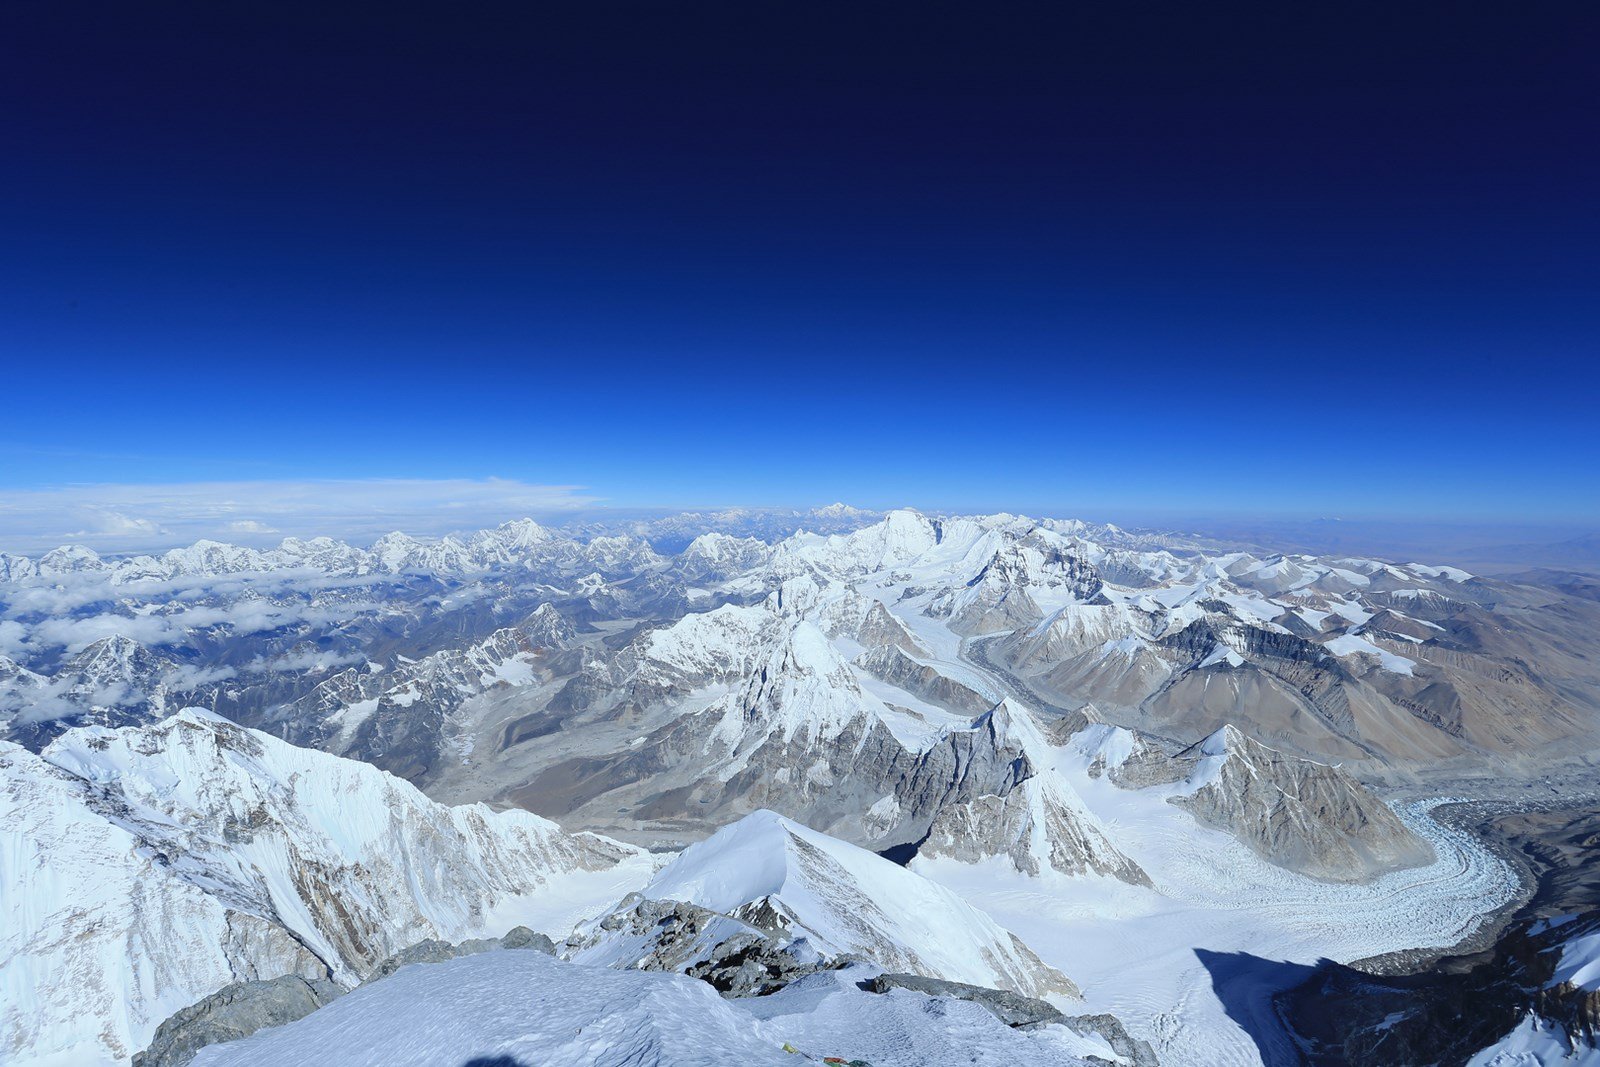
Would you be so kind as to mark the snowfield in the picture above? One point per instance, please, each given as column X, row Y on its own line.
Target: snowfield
column 848, row 901
column 526, row 1008
column 1143, row 954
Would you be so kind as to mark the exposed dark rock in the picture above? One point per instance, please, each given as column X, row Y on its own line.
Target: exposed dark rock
column 1024, row 1012
column 1296, row 813
column 239, row 1010
column 1013, row 1009
column 435, row 951
column 749, row 965
column 233, row 1012
column 738, row 955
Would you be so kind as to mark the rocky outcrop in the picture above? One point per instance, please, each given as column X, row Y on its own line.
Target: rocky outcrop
column 736, row 958
column 1013, row 1009
column 1025, row 1013
column 1036, row 826
column 879, row 627
column 894, row 666
column 234, row 1012
column 1002, row 806
column 239, row 1010
column 436, row 951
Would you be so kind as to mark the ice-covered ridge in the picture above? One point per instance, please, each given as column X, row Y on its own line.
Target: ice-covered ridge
column 1580, row 962
column 144, row 868
column 848, row 901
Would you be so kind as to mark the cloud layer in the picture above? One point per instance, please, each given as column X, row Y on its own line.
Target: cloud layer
column 141, row 518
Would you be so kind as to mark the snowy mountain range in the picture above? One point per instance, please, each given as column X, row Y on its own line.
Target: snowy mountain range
column 983, row 750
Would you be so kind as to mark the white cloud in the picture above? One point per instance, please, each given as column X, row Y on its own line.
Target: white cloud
column 143, row 518
column 173, row 627
column 306, row 660
column 103, row 522
column 13, row 639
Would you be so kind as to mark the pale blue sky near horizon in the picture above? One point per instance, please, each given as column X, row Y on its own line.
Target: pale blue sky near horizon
column 124, row 518
column 1282, row 265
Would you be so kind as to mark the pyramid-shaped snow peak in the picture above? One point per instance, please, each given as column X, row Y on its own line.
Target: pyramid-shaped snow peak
column 845, row 900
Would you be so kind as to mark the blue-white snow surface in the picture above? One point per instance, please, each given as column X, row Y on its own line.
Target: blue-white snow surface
column 526, row 1008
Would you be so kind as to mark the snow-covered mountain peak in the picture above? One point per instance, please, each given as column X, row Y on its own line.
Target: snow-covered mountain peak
column 224, row 854
column 848, row 901
column 518, row 533
column 841, row 510
column 1223, row 741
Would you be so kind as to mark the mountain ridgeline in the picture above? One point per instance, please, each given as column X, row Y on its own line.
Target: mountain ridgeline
column 755, row 751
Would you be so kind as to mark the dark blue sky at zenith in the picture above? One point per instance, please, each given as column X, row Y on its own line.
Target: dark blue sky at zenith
column 1086, row 259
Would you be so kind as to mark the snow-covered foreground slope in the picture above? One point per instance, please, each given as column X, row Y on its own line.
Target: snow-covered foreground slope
column 535, row 1011
column 848, row 901
column 1560, row 1025
column 143, row 868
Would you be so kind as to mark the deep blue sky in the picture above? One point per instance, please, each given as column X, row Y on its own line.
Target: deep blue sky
column 1277, row 259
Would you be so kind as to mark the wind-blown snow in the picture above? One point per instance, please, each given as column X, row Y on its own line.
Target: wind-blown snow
column 521, row 1006
column 1580, row 962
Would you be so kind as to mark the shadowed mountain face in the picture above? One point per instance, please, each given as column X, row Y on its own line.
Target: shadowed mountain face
column 1246, row 985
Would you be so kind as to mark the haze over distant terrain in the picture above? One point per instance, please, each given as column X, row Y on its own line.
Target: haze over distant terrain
column 426, row 639
column 787, row 754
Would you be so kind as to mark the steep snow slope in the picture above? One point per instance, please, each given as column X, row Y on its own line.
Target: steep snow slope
column 145, row 867
column 100, row 938
column 845, row 900
column 1536, row 1042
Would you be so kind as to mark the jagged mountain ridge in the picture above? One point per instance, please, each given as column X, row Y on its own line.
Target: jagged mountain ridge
column 148, row 866
column 223, row 855
column 1314, row 656
column 907, row 686
column 668, row 687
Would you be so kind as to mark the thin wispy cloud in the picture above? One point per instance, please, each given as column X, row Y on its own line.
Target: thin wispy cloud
column 140, row 518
